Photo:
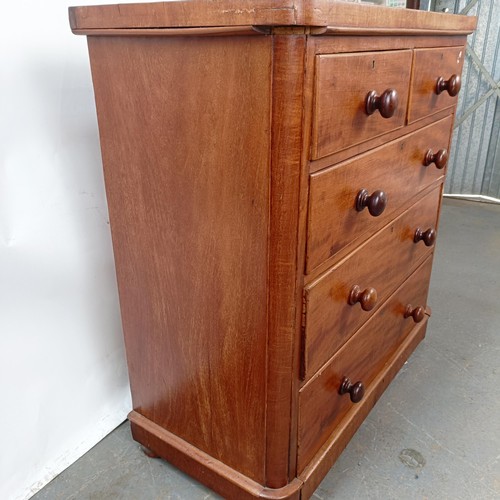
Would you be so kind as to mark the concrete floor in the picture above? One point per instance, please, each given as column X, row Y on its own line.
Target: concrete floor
column 434, row 434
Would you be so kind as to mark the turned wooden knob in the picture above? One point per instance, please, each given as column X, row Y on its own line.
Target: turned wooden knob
column 356, row 391
column 428, row 237
column 367, row 298
column 417, row 313
column 452, row 85
column 376, row 202
column 386, row 103
column 440, row 158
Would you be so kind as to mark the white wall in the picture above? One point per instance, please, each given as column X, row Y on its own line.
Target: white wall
column 63, row 377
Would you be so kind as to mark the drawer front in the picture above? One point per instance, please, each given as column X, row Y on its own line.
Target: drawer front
column 343, row 82
column 396, row 168
column 321, row 407
column 381, row 264
column 429, row 66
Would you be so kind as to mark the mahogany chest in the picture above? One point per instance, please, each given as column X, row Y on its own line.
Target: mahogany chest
column 274, row 173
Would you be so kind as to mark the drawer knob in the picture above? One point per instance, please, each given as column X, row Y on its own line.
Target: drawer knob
column 367, row 298
column 428, row 237
column 452, row 85
column 356, row 391
column 417, row 313
column 376, row 202
column 440, row 159
column 386, row 103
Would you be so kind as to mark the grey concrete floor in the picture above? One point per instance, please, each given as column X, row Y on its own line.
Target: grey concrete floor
column 434, row 434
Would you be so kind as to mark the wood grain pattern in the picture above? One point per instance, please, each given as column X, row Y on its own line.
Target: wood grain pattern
column 361, row 358
column 340, row 14
column 326, row 456
column 353, row 31
column 192, row 13
column 336, row 44
column 209, row 115
column 345, row 154
column 191, row 460
column 383, row 262
column 309, row 59
column 185, row 207
column 428, row 66
column 262, row 12
column 340, row 118
column 284, row 289
column 207, row 31
column 216, row 475
column 396, row 168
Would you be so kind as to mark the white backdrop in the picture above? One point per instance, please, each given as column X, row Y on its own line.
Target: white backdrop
column 63, row 377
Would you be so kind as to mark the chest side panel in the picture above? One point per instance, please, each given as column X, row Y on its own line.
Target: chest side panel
column 184, row 126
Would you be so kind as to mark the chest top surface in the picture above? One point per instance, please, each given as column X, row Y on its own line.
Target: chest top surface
column 307, row 13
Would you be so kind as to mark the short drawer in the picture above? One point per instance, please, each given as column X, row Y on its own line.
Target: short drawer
column 397, row 169
column 376, row 268
column 443, row 65
column 343, row 83
column 321, row 406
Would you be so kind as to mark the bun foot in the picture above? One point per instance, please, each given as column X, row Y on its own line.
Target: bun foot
column 149, row 453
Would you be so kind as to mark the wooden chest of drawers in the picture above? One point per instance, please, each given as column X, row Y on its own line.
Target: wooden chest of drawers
column 274, row 171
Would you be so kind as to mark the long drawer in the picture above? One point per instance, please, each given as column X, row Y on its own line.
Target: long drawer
column 375, row 270
column 398, row 169
column 321, row 406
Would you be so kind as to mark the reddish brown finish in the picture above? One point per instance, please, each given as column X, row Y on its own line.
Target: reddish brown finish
column 340, row 118
column 335, row 444
column 386, row 103
column 262, row 12
column 375, row 202
column 356, row 391
column 428, row 236
column 440, row 158
column 182, row 228
column 452, row 85
column 206, row 134
column 367, row 298
column 149, row 453
column 321, row 405
column 428, row 66
column 340, row 156
column 203, row 467
column 307, row 103
column 417, row 313
column 329, row 319
column 173, row 32
column 413, row 4
column 396, row 168
column 360, row 42
column 284, row 295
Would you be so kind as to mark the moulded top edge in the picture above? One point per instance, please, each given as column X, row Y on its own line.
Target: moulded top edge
column 211, row 13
